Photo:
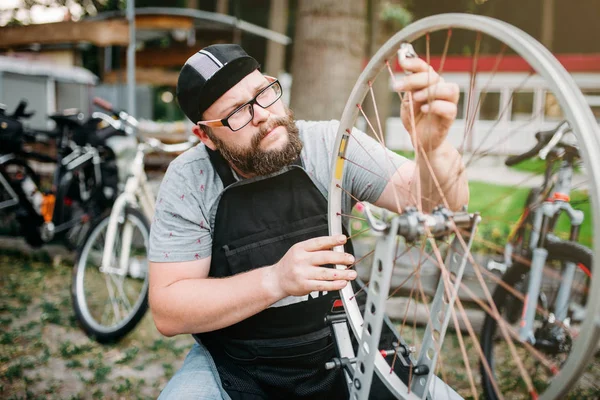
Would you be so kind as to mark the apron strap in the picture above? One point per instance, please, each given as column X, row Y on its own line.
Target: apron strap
column 221, row 167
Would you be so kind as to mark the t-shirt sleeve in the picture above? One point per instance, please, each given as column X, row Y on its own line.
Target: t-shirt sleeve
column 180, row 230
column 368, row 167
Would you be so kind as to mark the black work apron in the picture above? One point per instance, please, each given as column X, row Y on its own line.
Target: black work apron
column 279, row 353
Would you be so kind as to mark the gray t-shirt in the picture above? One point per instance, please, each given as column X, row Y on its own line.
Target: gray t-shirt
column 190, row 191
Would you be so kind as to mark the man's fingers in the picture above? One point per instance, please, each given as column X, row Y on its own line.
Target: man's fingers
column 414, row 65
column 330, row 257
column 440, row 91
column 441, row 108
column 327, row 286
column 323, row 242
column 330, row 274
column 417, row 81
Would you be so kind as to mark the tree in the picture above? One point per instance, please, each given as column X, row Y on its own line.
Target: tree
column 328, row 55
column 387, row 18
column 278, row 19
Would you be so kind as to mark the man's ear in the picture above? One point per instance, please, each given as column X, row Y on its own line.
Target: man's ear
column 201, row 134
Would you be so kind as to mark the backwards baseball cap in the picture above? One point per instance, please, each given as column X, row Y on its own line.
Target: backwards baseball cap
column 208, row 74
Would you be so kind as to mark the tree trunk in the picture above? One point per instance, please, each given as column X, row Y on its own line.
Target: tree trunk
column 547, row 23
column 278, row 22
column 222, row 7
column 381, row 31
column 328, row 56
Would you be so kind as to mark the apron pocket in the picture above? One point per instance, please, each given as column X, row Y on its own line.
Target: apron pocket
column 246, row 254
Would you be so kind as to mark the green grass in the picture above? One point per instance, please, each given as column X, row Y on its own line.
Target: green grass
column 43, row 354
column 501, row 207
column 406, row 153
column 537, row 166
column 533, row 165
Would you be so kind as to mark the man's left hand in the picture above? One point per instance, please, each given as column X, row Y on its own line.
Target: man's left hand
column 434, row 103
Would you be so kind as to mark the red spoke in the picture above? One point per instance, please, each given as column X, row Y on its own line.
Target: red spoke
column 360, row 259
column 471, row 115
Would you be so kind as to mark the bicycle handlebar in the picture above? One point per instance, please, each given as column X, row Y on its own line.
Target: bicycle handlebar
column 513, row 160
column 122, row 115
column 544, row 138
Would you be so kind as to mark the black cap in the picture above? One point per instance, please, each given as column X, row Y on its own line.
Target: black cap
column 208, row 74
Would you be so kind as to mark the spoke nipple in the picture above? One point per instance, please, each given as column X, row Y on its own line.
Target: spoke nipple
column 359, row 106
column 348, row 131
column 385, row 353
column 534, row 395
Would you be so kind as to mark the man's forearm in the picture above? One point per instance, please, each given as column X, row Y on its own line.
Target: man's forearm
column 207, row 304
column 450, row 178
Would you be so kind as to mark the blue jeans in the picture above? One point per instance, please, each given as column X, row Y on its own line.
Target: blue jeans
column 197, row 379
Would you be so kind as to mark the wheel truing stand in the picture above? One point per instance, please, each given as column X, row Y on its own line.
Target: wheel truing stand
column 411, row 225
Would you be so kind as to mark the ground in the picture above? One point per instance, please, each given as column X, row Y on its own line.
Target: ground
column 44, row 354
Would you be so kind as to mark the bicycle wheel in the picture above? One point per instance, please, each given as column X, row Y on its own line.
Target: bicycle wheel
column 431, row 316
column 109, row 304
column 553, row 336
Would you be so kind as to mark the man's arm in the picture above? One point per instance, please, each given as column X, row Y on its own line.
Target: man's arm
column 185, row 300
column 439, row 174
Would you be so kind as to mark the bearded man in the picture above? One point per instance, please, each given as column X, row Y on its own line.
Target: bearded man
column 239, row 247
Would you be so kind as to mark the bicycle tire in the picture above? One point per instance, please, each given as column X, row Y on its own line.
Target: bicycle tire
column 574, row 107
column 98, row 330
column 85, row 211
column 563, row 251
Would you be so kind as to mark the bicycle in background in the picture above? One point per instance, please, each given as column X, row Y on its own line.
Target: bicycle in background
column 544, row 288
column 110, row 276
column 84, row 183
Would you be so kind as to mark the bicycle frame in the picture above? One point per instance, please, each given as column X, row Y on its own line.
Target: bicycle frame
column 544, row 217
column 4, row 182
column 137, row 191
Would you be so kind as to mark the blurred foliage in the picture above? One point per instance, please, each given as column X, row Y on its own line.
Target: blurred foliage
column 395, row 15
column 84, row 8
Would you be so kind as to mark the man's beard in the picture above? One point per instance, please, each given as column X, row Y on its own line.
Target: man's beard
column 254, row 160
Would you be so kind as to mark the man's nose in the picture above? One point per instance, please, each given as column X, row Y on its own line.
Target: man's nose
column 260, row 114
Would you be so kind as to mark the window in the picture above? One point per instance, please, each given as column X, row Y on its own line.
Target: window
column 552, row 110
column 522, row 106
column 460, row 114
column 394, row 104
column 489, row 108
column 593, row 98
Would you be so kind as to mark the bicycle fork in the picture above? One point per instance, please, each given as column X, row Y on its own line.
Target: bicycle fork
column 117, row 214
column 538, row 261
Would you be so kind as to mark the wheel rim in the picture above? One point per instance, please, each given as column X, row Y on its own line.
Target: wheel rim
column 571, row 101
column 108, row 301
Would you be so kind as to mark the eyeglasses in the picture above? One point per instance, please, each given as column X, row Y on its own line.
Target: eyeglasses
column 241, row 116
